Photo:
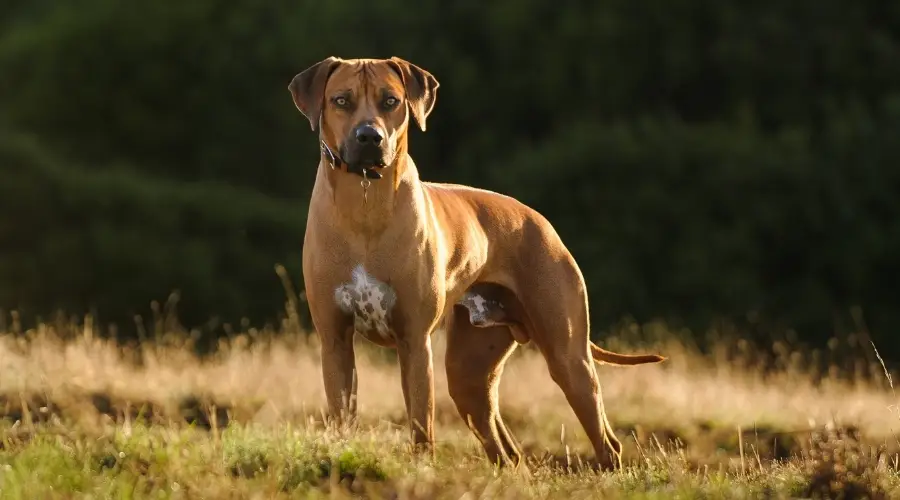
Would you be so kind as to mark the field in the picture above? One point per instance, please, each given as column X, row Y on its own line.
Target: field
column 85, row 417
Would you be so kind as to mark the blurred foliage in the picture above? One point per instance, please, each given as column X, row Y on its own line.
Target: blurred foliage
column 702, row 159
column 112, row 241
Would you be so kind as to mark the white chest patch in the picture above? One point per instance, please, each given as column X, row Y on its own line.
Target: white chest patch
column 369, row 301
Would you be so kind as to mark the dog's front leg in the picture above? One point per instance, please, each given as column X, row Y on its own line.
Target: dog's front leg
column 417, row 377
column 339, row 374
column 338, row 363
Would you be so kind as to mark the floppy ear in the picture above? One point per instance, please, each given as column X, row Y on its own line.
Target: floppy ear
column 421, row 89
column 308, row 88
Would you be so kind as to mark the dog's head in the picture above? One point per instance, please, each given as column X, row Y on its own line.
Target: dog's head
column 363, row 105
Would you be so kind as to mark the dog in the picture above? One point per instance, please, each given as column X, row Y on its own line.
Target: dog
column 393, row 258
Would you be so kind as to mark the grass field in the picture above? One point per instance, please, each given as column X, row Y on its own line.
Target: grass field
column 83, row 417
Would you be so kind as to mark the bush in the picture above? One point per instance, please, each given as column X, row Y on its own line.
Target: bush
column 702, row 159
column 113, row 241
column 693, row 222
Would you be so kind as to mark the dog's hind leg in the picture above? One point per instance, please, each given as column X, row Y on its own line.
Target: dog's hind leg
column 475, row 358
column 572, row 368
column 559, row 326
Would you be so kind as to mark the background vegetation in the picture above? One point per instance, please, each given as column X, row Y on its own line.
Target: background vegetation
column 703, row 160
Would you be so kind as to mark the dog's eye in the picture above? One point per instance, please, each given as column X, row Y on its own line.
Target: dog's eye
column 390, row 102
column 340, row 101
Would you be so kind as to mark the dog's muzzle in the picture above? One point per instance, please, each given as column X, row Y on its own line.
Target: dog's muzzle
column 365, row 151
column 367, row 169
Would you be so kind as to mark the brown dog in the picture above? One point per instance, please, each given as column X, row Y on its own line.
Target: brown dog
column 393, row 258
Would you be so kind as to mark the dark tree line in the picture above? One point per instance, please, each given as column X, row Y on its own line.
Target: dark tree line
column 702, row 159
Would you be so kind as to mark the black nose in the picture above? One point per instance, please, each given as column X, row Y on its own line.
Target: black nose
column 367, row 134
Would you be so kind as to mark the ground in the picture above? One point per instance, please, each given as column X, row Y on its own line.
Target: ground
column 86, row 417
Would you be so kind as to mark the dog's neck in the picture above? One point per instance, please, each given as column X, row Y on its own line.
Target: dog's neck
column 366, row 207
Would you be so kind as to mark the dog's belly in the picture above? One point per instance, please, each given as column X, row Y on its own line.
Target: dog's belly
column 369, row 301
column 491, row 305
column 484, row 310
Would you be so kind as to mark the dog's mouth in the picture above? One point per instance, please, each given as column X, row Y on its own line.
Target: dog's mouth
column 371, row 164
column 372, row 168
column 367, row 161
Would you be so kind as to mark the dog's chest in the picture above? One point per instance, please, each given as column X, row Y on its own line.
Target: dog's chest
column 369, row 300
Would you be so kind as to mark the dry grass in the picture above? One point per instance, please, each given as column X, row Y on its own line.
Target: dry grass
column 86, row 417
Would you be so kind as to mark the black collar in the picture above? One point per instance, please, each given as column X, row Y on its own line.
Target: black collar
column 336, row 162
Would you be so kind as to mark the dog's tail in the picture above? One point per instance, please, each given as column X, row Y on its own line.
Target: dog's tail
column 614, row 358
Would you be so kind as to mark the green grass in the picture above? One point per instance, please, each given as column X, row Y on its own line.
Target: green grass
column 55, row 460
column 82, row 417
